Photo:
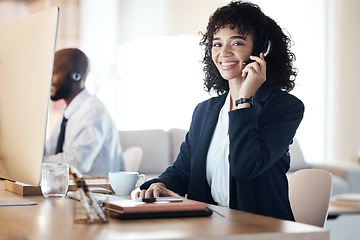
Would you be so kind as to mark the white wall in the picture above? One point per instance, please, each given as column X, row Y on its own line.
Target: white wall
column 99, row 38
column 343, row 83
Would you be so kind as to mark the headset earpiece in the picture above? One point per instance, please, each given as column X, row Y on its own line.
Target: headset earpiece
column 76, row 76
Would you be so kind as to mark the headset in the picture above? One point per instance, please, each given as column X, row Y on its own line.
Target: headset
column 265, row 49
column 76, row 76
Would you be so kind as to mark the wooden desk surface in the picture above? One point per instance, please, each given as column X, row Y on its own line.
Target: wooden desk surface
column 53, row 219
column 335, row 211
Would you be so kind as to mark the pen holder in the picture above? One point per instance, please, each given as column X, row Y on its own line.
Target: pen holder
column 86, row 214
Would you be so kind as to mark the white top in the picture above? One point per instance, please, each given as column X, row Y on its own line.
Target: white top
column 217, row 163
column 92, row 142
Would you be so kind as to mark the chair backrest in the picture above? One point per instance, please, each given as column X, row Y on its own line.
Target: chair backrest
column 177, row 136
column 155, row 144
column 132, row 158
column 309, row 194
column 297, row 160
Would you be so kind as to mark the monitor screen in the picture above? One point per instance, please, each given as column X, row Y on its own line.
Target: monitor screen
column 27, row 48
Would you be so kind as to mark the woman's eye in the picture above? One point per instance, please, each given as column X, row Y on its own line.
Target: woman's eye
column 216, row 44
column 237, row 43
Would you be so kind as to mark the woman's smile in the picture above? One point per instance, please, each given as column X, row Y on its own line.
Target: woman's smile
column 229, row 49
column 228, row 65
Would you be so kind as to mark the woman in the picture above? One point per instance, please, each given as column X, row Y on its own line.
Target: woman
column 236, row 152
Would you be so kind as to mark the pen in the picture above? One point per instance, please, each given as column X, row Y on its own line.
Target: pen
column 86, row 204
column 160, row 199
column 97, row 207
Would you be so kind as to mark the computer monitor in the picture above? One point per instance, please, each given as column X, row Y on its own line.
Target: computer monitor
column 27, row 48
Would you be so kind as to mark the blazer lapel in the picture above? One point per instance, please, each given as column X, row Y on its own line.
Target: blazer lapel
column 209, row 124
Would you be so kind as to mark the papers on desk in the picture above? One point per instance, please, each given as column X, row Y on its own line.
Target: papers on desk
column 132, row 209
column 14, row 201
column 351, row 200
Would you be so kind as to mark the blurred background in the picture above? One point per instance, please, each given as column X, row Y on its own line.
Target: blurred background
column 145, row 62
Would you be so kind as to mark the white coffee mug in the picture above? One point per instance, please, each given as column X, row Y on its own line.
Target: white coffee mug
column 124, row 182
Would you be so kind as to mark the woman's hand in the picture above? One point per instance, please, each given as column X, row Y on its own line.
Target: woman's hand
column 155, row 190
column 255, row 74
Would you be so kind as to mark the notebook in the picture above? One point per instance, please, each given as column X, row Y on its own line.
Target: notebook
column 132, row 209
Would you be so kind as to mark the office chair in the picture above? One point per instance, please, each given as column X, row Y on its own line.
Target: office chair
column 132, row 158
column 309, row 194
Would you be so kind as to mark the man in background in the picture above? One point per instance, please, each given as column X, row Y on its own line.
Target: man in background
column 86, row 137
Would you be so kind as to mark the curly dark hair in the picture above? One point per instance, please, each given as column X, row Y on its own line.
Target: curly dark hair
column 249, row 18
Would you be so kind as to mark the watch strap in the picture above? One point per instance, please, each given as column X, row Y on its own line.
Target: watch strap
column 245, row 100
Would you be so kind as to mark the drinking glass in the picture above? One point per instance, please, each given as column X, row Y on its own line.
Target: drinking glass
column 54, row 179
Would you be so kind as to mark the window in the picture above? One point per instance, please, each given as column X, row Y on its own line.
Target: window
column 160, row 82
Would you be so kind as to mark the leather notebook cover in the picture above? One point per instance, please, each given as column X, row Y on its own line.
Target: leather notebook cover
column 130, row 209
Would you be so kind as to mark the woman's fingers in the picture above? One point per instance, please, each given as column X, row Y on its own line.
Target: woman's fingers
column 256, row 68
column 135, row 193
column 156, row 191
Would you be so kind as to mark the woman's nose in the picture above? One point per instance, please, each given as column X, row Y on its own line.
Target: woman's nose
column 225, row 51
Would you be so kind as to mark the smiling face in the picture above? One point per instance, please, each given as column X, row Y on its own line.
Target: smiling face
column 229, row 50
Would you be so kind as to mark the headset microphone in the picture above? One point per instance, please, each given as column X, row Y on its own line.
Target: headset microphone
column 76, row 76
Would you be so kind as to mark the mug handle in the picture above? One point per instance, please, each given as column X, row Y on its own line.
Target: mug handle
column 144, row 179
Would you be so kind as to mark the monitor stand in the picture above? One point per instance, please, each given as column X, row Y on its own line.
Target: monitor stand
column 30, row 190
column 22, row 188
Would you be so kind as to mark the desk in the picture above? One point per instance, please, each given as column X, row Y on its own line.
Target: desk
column 53, row 219
column 339, row 207
column 335, row 211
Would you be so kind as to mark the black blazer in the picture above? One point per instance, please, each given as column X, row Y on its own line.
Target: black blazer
column 259, row 153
